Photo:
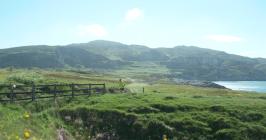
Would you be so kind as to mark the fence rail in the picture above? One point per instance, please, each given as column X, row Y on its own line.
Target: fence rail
column 12, row 92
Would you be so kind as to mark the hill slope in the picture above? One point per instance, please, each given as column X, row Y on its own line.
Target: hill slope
column 184, row 62
column 53, row 57
column 119, row 51
column 206, row 64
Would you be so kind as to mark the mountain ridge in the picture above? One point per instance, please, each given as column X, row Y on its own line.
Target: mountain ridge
column 184, row 62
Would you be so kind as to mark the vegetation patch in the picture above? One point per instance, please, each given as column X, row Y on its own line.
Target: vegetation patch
column 143, row 110
column 217, row 108
column 191, row 129
column 262, row 97
column 93, row 122
column 164, row 107
column 246, row 116
column 25, row 78
column 170, row 98
column 227, row 134
column 251, row 116
column 197, row 96
column 186, row 108
column 221, row 123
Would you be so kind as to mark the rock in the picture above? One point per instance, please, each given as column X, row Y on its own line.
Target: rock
column 61, row 134
column 105, row 136
column 199, row 83
column 68, row 118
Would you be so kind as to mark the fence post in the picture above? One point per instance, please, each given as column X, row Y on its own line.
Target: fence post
column 142, row 89
column 104, row 88
column 33, row 92
column 72, row 90
column 11, row 93
column 54, row 91
column 89, row 89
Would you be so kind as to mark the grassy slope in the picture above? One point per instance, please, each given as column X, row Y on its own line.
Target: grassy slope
column 142, row 68
column 181, row 112
column 42, row 125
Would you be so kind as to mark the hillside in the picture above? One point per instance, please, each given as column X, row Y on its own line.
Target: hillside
column 185, row 62
column 206, row 64
column 123, row 52
column 53, row 57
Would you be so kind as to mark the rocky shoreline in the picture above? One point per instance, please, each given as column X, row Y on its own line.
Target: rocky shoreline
column 199, row 83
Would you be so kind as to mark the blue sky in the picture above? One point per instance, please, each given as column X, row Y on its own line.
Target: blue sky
column 234, row 26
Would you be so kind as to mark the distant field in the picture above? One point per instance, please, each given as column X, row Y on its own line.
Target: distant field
column 142, row 71
column 179, row 112
column 22, row 76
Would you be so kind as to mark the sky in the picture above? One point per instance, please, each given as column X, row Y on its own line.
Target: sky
column 234, row 26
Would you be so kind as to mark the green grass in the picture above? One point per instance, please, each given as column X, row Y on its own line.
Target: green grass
column 37, row 76
column 41, row 125
column 180, row 112
column 147, row 71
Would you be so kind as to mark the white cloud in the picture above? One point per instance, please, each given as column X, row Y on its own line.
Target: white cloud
column 224, row 38
column 93, row 29
column 133, row 14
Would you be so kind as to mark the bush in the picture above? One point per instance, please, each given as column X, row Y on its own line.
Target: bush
column 170, row 98
column 217, row 108
column 105, row 121
column 253, row 117
column 186, row 108
column 26, row 78
column 144, row 109
column 227, row 134
column 156, row 129
column 220, row 123
column 190, row 127
column 254, row 132
column 247, row 117
column 164, row 108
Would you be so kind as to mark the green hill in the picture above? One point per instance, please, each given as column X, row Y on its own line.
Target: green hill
column 54, row 57
column 185, row 62
column 123, row 52
column 206, row 64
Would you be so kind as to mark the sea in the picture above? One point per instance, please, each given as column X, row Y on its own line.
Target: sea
column 257, row 86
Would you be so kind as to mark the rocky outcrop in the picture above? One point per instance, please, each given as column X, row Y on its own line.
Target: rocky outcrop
column 199, row 83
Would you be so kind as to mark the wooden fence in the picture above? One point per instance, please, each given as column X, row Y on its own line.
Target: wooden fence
column 12, row 92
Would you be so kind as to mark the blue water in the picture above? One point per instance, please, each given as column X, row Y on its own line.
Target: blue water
column 257, row 86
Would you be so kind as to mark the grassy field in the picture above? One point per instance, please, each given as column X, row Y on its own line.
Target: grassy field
column 179, row 112
column 38, row 76
column 142, row 71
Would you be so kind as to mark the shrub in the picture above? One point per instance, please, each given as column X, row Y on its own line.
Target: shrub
column 170, row 98
column 217, row 108
column 25, row 78
column 253, row 117
column 255, row 132
column 197, row 96
column 164, row 108
column 226, row 134
column 220, row 123
column 185, row 108
column 190, row 127
column 144, row 109
column 156, row 129
column 247, row 117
